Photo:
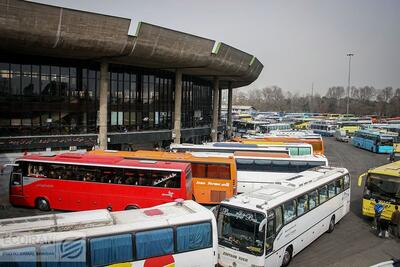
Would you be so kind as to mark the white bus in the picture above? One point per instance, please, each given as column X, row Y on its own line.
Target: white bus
column 268, row 226
column 275, row 127
column 256, row 169
column 173, row 234
column 293, row 149
column 323, row 127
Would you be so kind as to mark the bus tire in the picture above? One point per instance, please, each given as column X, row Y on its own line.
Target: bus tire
column 287, row 256
column 331, row 225
column 42, row 204
column 131, row 207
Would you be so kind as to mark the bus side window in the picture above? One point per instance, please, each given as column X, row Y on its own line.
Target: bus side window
column 339, row 185
column 111, row 249
column 346, row 182
column 302, row 204
column 25, row 256
column 270, row 236
column 278, row 219
column 289, row 211
column 154, row 243
column 323, row 194
column 52, row 254
column 331, row 190
column 312, row 199
column 199, row 170
column 193, row 237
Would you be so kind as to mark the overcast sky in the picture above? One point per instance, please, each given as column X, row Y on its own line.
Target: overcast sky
column 299, row 42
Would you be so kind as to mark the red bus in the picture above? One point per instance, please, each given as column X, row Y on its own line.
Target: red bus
column 75, row 182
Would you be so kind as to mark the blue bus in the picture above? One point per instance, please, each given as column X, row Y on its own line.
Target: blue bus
column 373, row 141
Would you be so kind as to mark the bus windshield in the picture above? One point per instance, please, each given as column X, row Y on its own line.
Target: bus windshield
column 386, row 141
column 383, row 187
column 238, row 229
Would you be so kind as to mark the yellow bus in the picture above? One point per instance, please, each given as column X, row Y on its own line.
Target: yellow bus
column 383, row 184
column 213, row 178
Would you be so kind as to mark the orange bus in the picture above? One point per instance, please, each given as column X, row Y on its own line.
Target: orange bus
column 213, row 178
column 317, row 143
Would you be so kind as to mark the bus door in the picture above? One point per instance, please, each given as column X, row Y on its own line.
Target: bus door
column 16, row 187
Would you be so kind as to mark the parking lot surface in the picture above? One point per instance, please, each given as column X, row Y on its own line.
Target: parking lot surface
column 351, row 244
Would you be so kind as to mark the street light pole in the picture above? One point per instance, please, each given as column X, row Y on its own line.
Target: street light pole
column 348, row 85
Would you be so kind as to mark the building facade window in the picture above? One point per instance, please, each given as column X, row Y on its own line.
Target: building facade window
column 56, row 97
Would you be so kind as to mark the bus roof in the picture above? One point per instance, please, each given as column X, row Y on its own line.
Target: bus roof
column 104, row 160
column 274, row 194
column 166, row 156
column 98, row 222
column 391, row 169
column 260, row 154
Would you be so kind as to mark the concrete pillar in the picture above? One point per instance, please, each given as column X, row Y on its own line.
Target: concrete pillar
column 176, row 133
column 229, row 115
column 219, row 104
column 104, row 78
column 214, row 127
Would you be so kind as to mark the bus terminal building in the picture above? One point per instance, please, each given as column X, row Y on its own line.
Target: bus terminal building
column 70, row 78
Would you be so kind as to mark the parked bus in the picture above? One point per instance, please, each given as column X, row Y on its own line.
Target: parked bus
column 275, row 127
column 323, row 127
column 268, row 226
column 294, row 149
column 383, row 184
column 256, row 169
column 173, row 234
column 74, row 182
column 373, row 141
column 214, row 178
column 317, row 143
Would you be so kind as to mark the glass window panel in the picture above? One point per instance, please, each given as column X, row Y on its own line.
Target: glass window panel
column 114, row 118
column 346, row 182
column 312, row 199
column 331, row 190
column 20, row 257
column 120, row 118
column 111, row 249
column 199, row 170
column 72, row 72
column 15, row 122
column 193, row 237
column 15, row 79
column 27, row 122
column 4, row 79
column 278, row 218
column 55, row 71
column 323, row 194
column 126, row 118
column 289, row 211
column 154, row 243
column 133, row 118
column 339, row 185
column 302, row 205
column 55, row 254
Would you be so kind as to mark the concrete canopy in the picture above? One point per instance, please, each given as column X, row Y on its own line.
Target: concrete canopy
column 37, row 29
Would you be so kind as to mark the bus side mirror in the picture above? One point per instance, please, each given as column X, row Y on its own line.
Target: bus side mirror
column 360, row 179
column 262, row 224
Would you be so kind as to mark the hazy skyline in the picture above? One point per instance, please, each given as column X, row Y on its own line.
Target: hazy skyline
column 299, row 42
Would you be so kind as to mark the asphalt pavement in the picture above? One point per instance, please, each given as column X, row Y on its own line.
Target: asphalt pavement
column 352, row 243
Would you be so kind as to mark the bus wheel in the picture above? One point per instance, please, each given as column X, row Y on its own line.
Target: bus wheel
column 331, row 224
column 42, row 204
column 287, row 256
column 131, row 207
